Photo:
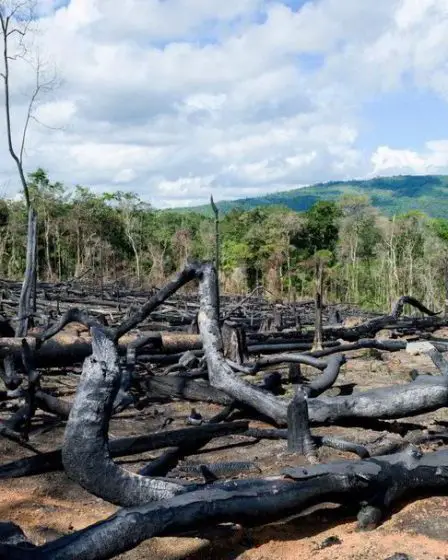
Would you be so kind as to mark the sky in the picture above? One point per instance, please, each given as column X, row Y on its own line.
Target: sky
column 179, row 99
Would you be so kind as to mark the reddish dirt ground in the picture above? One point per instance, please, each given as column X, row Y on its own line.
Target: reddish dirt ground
column 48, row 506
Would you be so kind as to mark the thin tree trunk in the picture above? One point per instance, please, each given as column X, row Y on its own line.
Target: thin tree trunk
column 47, row 250
column 137, row 258
column 58, row 237
column 317, row 344
column 26, row 295
column 217, row 242
column 446, row 288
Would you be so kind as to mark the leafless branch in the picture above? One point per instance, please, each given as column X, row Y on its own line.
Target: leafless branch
column 16, row 18
column 40, row 87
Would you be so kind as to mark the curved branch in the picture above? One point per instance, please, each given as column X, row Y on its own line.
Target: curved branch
column 397, row 309
column 328, row 377
column 220, row 373
column 188, row 274
column 73, row 315
column 289, row 358
column 85, row 451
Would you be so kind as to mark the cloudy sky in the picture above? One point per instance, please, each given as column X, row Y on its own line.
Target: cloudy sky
column 177, row 99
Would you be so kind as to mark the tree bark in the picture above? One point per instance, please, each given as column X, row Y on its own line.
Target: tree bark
column 380, row 481
column 85, row 451
column 318, row 337
column 299, row 435
column 184, row 388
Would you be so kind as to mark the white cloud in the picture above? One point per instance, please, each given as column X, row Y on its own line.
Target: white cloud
column 388, row 160
column 432, row 160
column 56, row 114
column 175, row 99
column 125, row 176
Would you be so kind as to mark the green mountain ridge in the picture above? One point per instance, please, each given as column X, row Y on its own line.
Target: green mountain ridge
column 391, row 195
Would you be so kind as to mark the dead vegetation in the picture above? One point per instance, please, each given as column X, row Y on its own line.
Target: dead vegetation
column 192, row 417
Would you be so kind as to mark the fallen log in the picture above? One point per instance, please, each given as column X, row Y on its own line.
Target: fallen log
column 425, row 394
column 372, row 327
column 377, row 344
column 67, row 349
column 178, row 387
column 219, row 470
column 49, row 403
column 124, row 447
column 251, row 502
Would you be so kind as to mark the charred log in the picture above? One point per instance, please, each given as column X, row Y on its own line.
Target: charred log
column 85, row 452
column 249, row 502
column 439, row 360
column 328, row 377
column 179, row 387
column 52, row 461
column 220, row 470
column 300, row 439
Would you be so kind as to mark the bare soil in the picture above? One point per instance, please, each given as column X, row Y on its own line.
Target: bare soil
column 48, row 506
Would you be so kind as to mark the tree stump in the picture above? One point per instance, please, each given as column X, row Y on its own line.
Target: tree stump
column 234, row 342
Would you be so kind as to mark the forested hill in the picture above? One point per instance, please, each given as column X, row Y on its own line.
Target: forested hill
column 392, row 195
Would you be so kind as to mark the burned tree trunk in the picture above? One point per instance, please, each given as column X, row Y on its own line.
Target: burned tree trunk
column 380, row 481
column 220, row 373
column 446, row 288
column 299, row 435
column 26, row 296
column 318, row 338
column 85, row 452
column 234, row 342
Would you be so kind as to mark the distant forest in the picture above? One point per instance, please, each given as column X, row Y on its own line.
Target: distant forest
column 392, row 195
column 369, row 258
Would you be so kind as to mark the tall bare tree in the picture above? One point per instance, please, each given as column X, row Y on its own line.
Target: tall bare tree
column 17, row 17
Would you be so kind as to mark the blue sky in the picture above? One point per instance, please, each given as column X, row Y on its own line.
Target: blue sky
column 405, row 119
column 178, row 99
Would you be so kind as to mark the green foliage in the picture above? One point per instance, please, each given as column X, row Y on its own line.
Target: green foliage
column 320, row 229
column 440, row 227
column 369, row 258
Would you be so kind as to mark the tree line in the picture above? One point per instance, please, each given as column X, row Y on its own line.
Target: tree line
column 368, row 258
